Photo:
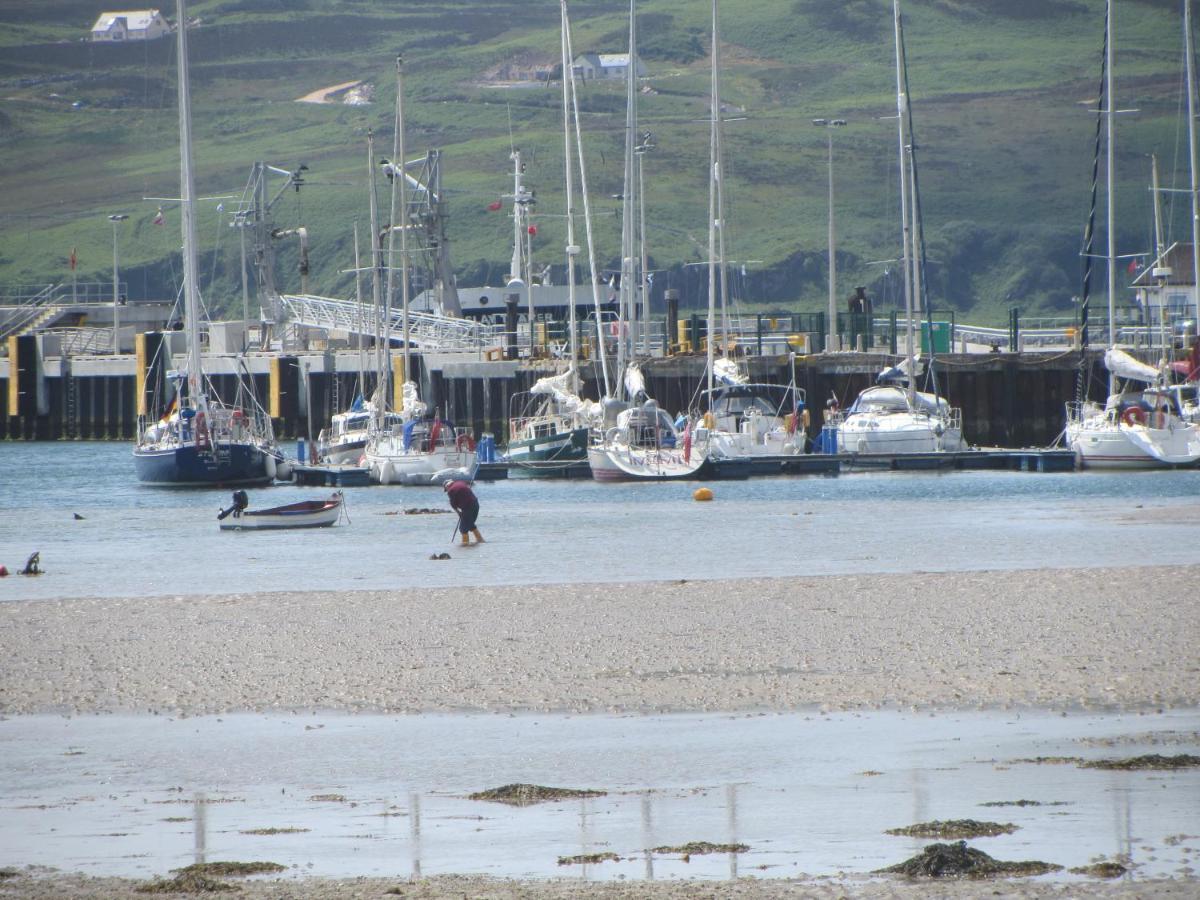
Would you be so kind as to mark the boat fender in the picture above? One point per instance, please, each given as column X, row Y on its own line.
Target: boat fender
column 1135, row 415
column 283, row 470
column 385, row 473
column 272, row 466
column 465, row 442
column 804, row 417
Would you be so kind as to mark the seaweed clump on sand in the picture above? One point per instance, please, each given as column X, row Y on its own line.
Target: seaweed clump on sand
column 588, row 858
column 234, row 869
column 700, row 848
column 1105, row 869
column 954, row 828
column 8, row 873
column 957, row 860
column 1149, row 761
column 189, row 883
column 529, row 794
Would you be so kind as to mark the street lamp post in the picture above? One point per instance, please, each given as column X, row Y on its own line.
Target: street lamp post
column 116, row 339
column 832, row 338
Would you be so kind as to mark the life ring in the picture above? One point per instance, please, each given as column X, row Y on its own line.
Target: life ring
column 465, row 442
column 202, row 437
column 1134, row 415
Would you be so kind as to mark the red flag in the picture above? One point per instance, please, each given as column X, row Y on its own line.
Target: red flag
column 532, row 230
column 495, row 207
column 71, row 260
column 1133, row 266
column 434, row 433
column 158, row 217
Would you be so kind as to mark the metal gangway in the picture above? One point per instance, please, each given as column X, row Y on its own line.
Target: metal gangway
column 427, row 332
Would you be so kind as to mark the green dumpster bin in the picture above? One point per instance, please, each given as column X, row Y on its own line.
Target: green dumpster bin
column 940, row 331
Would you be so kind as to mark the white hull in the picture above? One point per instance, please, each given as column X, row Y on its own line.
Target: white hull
column 390, row 463
column 620, row 462
column 1108, row 445
column 729, row 444
column 306, row 514
column 345, row 452
column 871, row 433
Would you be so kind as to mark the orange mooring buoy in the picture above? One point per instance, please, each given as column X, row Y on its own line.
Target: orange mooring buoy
column 702, row 493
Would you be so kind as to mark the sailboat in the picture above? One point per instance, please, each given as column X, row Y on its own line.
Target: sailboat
column 640, row 441
column 551, row 425
column 417, row 449
column 1139, row 425
column 201, row 440
column 743, row 419
column 893, row 416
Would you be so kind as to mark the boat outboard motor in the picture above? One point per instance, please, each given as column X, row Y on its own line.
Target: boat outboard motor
column 240, row 502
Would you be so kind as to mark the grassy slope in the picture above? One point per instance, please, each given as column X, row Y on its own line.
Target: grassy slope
column 997, row 85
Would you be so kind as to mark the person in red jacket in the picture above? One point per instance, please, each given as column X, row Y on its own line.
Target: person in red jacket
column 464, row 502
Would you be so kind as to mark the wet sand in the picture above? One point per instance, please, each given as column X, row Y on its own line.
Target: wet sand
column 478, row 888
column 1119, row 639
column 1124, row 639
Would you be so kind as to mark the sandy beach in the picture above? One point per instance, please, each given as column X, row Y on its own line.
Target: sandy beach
column 1117, row 639
column 1097, row 638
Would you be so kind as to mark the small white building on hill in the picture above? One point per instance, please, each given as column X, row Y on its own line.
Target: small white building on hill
column 133, row 25
column 605, row 65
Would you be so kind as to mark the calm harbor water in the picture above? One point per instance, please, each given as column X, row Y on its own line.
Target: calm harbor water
column 137, row 540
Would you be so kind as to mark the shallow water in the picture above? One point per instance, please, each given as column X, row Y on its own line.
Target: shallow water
column 136, row 540
column 809, row 794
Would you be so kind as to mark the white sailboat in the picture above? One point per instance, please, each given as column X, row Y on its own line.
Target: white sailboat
column 640, row 441
column 894, row 417
column 743, row 419
column 202, row 440
column 1139, row 425
column 416, row 449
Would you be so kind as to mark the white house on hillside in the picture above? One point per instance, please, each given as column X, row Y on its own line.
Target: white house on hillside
column 605, row 65
column 135, row 25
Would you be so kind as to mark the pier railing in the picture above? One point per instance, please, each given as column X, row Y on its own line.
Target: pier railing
column 427, row 331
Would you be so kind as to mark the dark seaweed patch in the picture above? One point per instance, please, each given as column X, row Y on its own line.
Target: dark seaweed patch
column 954, row 828
column 957, row 860
column 528, row 794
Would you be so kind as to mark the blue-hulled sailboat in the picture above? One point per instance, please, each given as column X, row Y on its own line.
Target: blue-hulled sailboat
column 201, row 440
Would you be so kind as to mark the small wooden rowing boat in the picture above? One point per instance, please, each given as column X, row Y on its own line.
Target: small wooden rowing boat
column 305, row 514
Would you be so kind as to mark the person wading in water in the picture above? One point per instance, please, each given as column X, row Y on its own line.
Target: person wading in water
column 464, row 502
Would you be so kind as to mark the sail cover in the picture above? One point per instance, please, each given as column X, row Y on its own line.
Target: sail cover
column 1123, row 365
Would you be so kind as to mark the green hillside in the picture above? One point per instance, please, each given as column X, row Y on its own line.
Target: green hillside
column 1000, row 93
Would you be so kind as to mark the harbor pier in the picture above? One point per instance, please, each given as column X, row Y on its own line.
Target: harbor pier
column 1007, row 399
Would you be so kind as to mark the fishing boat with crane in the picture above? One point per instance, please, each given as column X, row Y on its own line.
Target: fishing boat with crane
column 421, row 448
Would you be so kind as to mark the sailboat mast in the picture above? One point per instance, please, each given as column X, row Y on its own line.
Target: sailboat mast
column 901, row 121
column 1110, row 161
column 627, row 286
column 382, row 336
column 1193, row 166
column 569, row 74
column 718, row 177
column 1158, row 245
column 402, row 178
column 358, row 300
column 187, row 194
column 569, row 189
column 516, row 268
column 713, row 182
